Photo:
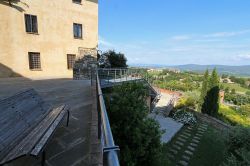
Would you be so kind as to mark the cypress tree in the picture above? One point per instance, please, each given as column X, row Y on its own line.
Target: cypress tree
column 204, row 90
column 211, row 102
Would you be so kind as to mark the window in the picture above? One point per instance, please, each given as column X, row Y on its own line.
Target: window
column 31, row 23
column 77, row 30
column 71, row 60
column 77, row 1
column 34, row 61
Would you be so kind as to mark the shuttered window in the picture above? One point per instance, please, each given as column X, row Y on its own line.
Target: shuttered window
column 34, row 61
column 31, row 23
column 71, row 60
column 77, row 30
column 77, row 1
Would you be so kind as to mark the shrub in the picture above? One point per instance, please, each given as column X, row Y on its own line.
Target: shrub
column 184, row 117
column 137, row 135
column 238, row 143
column 116, row 60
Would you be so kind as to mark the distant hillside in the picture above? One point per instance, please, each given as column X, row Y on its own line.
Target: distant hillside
column 222, row 69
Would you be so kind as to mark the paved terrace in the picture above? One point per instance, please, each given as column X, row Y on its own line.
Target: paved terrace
column 70, row 145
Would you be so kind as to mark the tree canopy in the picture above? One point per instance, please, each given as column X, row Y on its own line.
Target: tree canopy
column 116, row 60
column 210, row 104
column 137, row 135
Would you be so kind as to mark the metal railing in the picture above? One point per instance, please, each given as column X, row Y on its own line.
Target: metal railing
column 110, row 150
column 111, row 76
column 118, row 75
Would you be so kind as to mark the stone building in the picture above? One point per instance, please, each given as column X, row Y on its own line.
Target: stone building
column 42, row 39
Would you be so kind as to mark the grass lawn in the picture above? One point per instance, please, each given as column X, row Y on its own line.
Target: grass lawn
column 209, row 152
column 237, row 87
column 232, row 116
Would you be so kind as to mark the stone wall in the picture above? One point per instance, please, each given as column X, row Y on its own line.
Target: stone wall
column 212, row 121
column 84, row 67
column 96, row 155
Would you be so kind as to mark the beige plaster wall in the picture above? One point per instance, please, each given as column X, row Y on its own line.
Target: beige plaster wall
column 55, row 35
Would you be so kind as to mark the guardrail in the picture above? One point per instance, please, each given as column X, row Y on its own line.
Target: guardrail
column 110, row 150
column 111, row 76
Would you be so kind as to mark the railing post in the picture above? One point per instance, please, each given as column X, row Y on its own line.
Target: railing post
column 115, row 76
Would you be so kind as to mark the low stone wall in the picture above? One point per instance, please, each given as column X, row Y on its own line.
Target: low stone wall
column 96, row 155
column 212, row 121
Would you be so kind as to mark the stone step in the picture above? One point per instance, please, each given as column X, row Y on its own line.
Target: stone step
column 173, row 151
column 191, row 148
column 176, row 147
column 181, row 139
column 183, row 163
column 186, row 158
column 179, row 143
column 188, row 152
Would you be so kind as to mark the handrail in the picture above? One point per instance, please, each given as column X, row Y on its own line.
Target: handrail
column 109, row 148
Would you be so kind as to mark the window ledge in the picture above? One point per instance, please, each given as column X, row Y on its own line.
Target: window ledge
column 78, row 3
column 80, row 38
column 36, row 70
column 33, row 33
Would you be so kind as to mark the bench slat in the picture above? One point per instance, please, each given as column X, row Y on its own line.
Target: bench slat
column 27, row 123
column 13, row 119
column 44, row 140
column 26, row 145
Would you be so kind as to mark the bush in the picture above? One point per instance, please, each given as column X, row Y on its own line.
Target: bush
column 137, row 135
column 184, row 117
column 116, row 60
column 238, row 143
column 248, row 93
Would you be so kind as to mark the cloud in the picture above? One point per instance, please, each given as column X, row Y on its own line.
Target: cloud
column 243, row 57
column 104, row 42
column 181, row 37
column 227, row 34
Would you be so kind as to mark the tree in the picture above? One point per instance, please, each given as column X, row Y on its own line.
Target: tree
column 227, row 90
column 204, row 89
column 224, row 76
column 211, row 101
column 233, row 91
column 137, row 135
column 116, row 60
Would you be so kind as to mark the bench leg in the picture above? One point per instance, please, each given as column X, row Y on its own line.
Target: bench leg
column 43, row 158
column 68, row 118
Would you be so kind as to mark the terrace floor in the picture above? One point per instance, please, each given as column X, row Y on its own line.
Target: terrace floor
column 70, row 145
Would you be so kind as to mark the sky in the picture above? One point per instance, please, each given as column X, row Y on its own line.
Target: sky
column 175, row 32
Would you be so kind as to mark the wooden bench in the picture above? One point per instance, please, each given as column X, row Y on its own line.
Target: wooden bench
column 26, row 125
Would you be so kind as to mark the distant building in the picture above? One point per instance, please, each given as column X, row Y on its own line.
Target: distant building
column 42, row 38
column 222, row 96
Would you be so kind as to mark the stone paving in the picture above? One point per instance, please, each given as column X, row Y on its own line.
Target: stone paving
column 183, row 147
column 170, row 126
column 70, row 145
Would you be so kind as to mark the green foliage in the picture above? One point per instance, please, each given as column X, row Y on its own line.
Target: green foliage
column 233, row 91
column 248, row 93
column 210, row 105
column 204, row 87
column 223, row 76
column 234, row 116
column 136, row 134
column 238, row 144
column 237, row 99
column 240, row 81
column 183, row 81
column 227, row 90
column 116, row 60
